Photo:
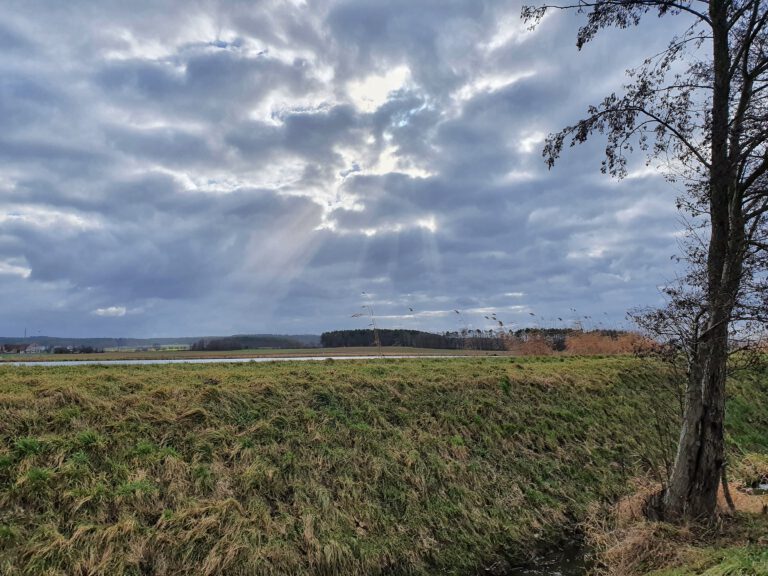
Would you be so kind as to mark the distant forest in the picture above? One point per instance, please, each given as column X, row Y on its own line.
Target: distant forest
column 304, row 340
column 413, row 338
column 246, row 342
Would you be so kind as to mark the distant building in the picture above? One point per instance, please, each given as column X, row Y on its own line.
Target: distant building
column 14, row 348
column 35, row 348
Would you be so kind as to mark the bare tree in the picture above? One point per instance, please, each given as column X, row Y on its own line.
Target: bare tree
column 700, row 109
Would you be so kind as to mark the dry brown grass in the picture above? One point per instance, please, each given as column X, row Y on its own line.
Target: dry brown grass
column 744, row 501
column 533, row 346
column 591, row 343
column 626, row 544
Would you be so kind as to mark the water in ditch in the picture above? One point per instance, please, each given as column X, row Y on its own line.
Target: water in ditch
column 569, row 558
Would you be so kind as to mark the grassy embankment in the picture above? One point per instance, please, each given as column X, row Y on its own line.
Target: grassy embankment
column 378, row 467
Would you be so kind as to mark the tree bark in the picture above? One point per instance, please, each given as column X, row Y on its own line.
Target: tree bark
column 692, row 490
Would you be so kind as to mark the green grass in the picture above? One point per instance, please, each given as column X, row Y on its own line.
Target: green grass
column 736, row 561
column 375, row 467
column 740, row 548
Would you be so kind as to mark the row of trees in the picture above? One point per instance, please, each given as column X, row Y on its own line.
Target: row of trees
column 410, row 338
column 76, row 350
column 245, row 342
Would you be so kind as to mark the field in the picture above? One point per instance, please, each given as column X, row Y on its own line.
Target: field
column 257, row 353
column 378, row 467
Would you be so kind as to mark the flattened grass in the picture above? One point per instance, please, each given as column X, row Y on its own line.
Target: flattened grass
column 376, row 467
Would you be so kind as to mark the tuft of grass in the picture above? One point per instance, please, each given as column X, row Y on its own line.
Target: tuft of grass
column 506, row 385
column 27, row 446
column 89, row 440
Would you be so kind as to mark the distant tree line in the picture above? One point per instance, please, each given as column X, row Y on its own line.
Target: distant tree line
column 476, row 340
column 76, row 350
column 245, row 343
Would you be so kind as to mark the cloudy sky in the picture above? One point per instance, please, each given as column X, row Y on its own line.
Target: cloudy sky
column 215, row 167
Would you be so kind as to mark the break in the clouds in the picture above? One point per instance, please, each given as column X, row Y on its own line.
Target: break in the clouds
column 214, row 167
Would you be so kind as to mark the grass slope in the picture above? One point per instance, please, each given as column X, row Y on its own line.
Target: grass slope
column 375, row 467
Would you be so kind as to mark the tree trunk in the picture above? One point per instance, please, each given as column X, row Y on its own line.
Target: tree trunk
column 693, row 485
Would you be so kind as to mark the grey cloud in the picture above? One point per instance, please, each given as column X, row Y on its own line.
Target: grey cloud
column 11, row 41
column 311, row 134
column 23, row 101
column 170, row 146
column 159, row 243
column 434, row 37
column 218, row 85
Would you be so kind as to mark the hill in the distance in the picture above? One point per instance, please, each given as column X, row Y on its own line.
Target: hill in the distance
column 307, row 340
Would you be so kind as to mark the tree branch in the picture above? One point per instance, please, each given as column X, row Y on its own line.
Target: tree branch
column 646, row 4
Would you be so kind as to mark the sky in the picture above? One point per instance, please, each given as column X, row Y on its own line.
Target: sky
column 216, row 167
